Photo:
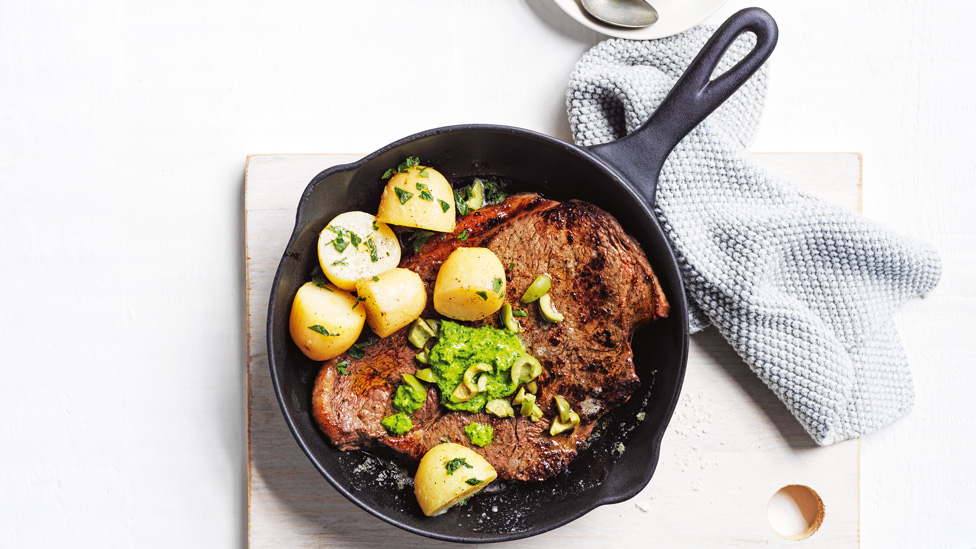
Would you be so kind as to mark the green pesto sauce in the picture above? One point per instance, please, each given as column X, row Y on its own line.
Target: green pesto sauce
column 459, row 347
column 408, row 400
column 397, row 424
column 479, row 434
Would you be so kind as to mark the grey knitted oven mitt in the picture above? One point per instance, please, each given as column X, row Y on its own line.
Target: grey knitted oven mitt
column 803, row 290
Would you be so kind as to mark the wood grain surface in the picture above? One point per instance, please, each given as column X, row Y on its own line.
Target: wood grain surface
column 731, row 445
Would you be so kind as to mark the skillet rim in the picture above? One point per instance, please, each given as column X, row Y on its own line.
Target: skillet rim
column 678, row 307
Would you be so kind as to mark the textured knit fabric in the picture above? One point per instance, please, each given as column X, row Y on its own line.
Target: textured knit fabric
column 802, row 289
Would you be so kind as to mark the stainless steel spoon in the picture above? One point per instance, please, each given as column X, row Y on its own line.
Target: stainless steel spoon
column 631, row 14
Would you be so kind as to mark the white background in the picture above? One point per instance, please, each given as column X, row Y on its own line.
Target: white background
column 124, row 128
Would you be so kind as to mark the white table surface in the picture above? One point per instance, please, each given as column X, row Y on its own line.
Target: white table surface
column 124, row 128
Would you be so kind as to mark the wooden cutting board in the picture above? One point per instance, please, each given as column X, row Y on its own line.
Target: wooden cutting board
column 730, row 447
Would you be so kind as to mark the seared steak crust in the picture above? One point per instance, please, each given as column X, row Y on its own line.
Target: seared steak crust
column 601, row 282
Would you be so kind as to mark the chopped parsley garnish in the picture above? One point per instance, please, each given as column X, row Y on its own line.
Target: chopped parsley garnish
column 511, row 266
column 493, row 192
column 358, row 301
column 358, row 350
column 455, row 464
column 516, row 312
column 376, row 279
column 444, row 205
column 373, row 255
column 341, row 367
column 463, row 235
column 460, row 204
column 403, row 195
column 497, row 285
column 423, row 172
column 318, row 278
column 419, row 237
column 403, row 168
column 422, row 187
column 425, row 195
column 321, row 329
column 340, row 232
column 340, row 243
column 375, row 226
column 340, row 261
column 482, row 295
column 473, row 481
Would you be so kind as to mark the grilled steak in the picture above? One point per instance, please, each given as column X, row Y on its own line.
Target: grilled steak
column 601, row 282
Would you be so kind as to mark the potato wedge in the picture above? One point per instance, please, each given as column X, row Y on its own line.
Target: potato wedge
column 449, row 473
column 393, row 299
column 470, row 284
column 325, row 321
column 418, row 197
column 354, row 245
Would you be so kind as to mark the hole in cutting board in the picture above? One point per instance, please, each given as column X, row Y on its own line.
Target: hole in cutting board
column 795, row 512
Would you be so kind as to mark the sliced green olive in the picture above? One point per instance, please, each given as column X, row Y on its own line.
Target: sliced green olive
column 564, row 409
column 528, row 401
column 539, row 287
column 422, row 357
column 519, row 396
column 419, row 333
column 483, row 383
column 477, row 193
column 525, row 369
column 535, row 414
column 470, row 373
column 425, row 375
column 414, row 384
column 548, row 311
column 560, row 426
column 500, row 407
column 532, row 387
column 434, row 325
column 508, row 319
column 462, row 393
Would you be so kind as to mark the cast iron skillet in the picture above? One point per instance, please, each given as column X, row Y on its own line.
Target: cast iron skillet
column 619, row 177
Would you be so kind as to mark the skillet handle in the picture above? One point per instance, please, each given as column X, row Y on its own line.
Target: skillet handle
column 640, row 155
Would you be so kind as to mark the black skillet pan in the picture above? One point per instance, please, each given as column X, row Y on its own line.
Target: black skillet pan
column 619, row 177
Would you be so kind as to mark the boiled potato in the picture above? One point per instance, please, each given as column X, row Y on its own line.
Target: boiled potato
column 354, row 245
column 325, row 321
column 470, row 284
column 393, row 299
column 418, row 197
column 447, row 474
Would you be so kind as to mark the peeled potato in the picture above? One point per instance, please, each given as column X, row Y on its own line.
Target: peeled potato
column 470, row 284
column 343, row 262
column 335, row 313
column 393, row 299
column 437, row 489
column 419, row 197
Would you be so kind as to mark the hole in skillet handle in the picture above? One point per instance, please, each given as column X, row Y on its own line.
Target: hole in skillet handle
column 640, row 155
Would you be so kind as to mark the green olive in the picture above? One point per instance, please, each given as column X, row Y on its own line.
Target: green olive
column 483, row 383
column 422, row 357
column 519, row 396
column 462, row 393
column 470, row 373
column 425, row 375
column 560, row 426
column 419, row 333
column 500, row 407
column 535, row 414
column 548, row 311
column 564, row 409
column 414, row 384
column 477, row 192
column 532, row 387
column 434, row 325
column 539, row 287
column 508, row 319
column 525, row 369
column 528, row 401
